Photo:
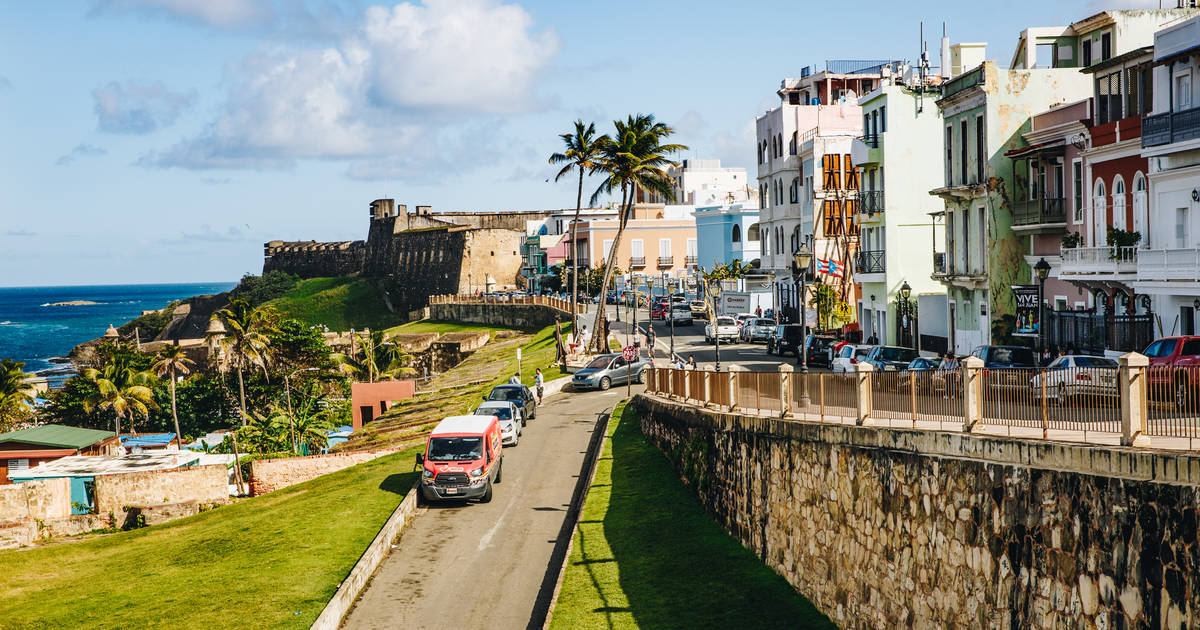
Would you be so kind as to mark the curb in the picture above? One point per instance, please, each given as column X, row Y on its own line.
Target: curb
column 350, row 588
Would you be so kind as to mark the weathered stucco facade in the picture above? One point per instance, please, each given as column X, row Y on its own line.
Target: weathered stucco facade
column 885, row 528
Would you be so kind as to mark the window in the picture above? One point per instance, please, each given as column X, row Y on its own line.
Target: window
column 607, row 247
column 1034, row 179
column 1105, row 46
column 950, row 235
column 637, row 249
column 1118, row 195
column 1044, row 55
column 962, row 151
column 1183, row 91
column 1163, row 348
column 1191, row 347
column 1058, row 179
column 980, row 149
column 664, row 247
column 1181, row 228
column 1087, row 53
column 15, row 465
column 736, row 236
column 882, row 118
column 1099, row 215
column 949, row 155
column 1108, row 98
column 1077, row 189
column 1140, row 218
column 794, row 145
column 1133, row 82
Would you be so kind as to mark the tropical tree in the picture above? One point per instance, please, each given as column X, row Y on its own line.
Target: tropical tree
column 632, row 160
column 122, row 389
column 372, row 356
column 582, row 153
column 732, row 270
column 245, row 341
column 16, row 392
column 172, row 361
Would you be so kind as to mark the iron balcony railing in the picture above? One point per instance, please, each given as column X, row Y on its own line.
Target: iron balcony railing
column 870, row 202
column 666, row 261
column 1171, row 127
column 637, row 261
column 869, row 261
column 691, row 260
column 870, row 139
column 1040, row 211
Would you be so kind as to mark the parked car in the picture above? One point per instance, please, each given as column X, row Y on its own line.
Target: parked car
column 742, row 318
column 848, row 356
column 699, row 307
column 757, row 329
column 890, row 358
column 785, row 338
column 1008, row 362
column 607, row 370
column 726, row 329
column 462, row 459
column 1182, row 354
column 659, row 310
column 1077, row 374
column 818, row 350
column 923, row 370
column 511, row 424
column 520, row 395
column 680, row 314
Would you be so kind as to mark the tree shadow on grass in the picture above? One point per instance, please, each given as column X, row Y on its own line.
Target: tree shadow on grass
column 678, row 567
column 400, row 483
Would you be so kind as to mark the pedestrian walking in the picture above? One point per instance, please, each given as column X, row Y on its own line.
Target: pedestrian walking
column 758, row 311
column 539, row 382
column 691, row 362
column 873, row 340
column 650, row 340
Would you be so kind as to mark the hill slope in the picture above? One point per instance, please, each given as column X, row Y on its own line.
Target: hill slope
column 339, row 303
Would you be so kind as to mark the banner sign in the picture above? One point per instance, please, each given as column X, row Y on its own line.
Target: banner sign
column 1029, row 314
column 734, row 302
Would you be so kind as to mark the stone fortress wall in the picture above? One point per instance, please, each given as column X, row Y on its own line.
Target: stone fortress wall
column 413, row 255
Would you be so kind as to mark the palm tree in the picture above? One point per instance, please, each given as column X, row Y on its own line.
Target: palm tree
column 632, row 160
column 122, row 388
column 172, row 360
column 373, row 356
column 582, row 153
column 245, row 340
column 15, row 389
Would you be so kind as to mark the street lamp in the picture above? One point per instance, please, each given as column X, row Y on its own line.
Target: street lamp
column 801, row 259
column 667, row 313
column 905, row 311
column 1042, row 269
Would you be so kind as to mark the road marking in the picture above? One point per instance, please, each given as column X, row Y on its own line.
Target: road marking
column 487, row 537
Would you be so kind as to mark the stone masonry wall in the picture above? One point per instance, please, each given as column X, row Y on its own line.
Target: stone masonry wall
column 204, row 484
column 523, row 316
column 40, row 499
column 267, row 475
column 886, row 528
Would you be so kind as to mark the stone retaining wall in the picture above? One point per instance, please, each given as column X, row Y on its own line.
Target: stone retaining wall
column 204, row 484
column 268, row 475
column 523, row 316
column 884, row 528
column 40, row 499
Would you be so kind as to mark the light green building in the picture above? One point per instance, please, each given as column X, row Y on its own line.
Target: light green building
column 894, row 157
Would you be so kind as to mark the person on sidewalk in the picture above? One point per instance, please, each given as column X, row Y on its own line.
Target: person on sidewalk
column 539, row 382
column 691, row 362
column 650, row 340
column 515, row 380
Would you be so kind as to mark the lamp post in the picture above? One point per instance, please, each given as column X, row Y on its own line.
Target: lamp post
column 905, row 312
column 1042, row 269
column 667, row 313
column 716, row 292
column 801, row 260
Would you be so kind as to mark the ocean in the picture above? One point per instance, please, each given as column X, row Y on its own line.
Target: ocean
column 33, row 331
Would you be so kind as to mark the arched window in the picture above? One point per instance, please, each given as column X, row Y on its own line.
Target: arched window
column 736, row 237
column 764, row 241
column 1141, row 217
column 1099, row 215
column 779, row 139
column 1118, row 195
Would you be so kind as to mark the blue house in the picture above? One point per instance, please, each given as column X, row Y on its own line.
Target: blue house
column 726, row 232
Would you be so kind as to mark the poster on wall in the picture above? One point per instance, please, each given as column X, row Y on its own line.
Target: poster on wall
column 1028, row 314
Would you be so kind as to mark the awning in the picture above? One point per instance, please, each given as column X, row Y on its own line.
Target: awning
column 1035, row 148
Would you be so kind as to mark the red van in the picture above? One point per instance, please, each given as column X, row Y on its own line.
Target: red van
column 462, row 459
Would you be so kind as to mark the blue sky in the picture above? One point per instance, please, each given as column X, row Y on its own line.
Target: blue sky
column 166, row 140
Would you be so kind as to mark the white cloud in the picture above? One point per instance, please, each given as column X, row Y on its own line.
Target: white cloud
column 138, row 108
column 220, row 13
column 414, row 80
column 80, row 151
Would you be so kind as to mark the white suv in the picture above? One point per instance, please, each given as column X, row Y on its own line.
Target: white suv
column 726, row 329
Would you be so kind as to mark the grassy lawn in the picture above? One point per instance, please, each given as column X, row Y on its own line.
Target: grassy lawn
column 428, row 325
column 339, row 303
column 268, row 562
column 647, row 556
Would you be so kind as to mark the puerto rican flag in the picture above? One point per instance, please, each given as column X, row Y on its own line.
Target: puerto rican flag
column 830, row 267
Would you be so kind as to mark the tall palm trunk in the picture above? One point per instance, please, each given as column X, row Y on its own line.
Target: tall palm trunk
column 117, row 419
column 601, row 341
column 575, row 256
column 242, row 393
column 174, row 412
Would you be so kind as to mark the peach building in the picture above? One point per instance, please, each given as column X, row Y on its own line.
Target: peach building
column 658, row 239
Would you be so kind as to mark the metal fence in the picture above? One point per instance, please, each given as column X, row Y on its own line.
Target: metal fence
column 1081, row 404
column 538, row 300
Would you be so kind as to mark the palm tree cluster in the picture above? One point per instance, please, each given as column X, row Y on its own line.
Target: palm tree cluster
column 16, row 393
column 374, row 357
column 244, row 341
column 633, row 159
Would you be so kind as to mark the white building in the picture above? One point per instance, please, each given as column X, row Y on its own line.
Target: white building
column 704, row 182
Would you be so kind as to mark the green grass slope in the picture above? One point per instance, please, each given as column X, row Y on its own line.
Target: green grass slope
column 339, row 303
column 647, row 556
column 268, row 562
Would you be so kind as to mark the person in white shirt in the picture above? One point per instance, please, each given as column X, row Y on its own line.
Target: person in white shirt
column 539, row 381
column 515, row 380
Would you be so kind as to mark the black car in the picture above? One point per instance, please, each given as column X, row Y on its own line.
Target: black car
column 1007, row 362
column 890, row 358
column 819, row 349
column 518, row 394
column 784, row 339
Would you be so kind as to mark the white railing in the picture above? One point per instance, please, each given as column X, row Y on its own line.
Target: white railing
column 1168, row 264
column 1099, row 260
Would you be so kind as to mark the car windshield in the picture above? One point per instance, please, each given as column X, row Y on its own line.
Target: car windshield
column 448, row 449
column 504, row 413
column 505, row 393
column 1096, row 362
column 920, row 364
column 861, row 352
column 897, row 354
column 599, row 363
column 1161, row 348
column 1012, row 355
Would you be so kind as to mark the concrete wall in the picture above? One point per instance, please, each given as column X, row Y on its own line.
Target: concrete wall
column 204, row 484
column 41, row 499
column 524, row 316
column 378, row 396
column 267, row 475
column 885, row 528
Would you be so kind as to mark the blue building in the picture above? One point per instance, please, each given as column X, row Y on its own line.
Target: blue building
column 726, row 232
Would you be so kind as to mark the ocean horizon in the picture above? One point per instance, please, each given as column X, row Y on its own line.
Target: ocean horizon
column 35, row 327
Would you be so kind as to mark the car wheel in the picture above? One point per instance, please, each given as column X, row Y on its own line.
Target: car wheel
column 487, row 494
column 605, row 383
column 640, row 377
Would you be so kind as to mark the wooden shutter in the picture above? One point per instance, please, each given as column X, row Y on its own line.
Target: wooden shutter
column 851, row 174
column 831, row 171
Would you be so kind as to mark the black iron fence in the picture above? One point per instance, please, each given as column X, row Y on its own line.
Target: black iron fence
column 1093, row 333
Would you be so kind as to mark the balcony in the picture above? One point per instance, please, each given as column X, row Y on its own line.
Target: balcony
column 1171, row 127
column 637, row 261
column 870, row 202
column 870, row 139
column 1040, row 215
column 869, row 262
column 1098, row 264
column 666, row 261
column 1157, row 265
column 691, row 260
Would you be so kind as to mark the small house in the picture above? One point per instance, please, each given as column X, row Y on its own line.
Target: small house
column 29, row 448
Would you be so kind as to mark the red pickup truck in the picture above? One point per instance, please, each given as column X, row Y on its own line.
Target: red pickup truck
column 1174, row 368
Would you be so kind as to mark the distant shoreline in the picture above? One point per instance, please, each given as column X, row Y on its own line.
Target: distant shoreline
column 72, row 303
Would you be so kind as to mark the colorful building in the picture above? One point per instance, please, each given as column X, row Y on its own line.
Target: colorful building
column 23, row 450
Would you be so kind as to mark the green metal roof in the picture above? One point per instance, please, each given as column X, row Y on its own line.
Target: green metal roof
column 56, row 435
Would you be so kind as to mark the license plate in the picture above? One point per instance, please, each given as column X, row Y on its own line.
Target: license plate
column 451, row 490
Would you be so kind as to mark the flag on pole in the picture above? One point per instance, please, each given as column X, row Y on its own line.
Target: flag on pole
column 830, row 267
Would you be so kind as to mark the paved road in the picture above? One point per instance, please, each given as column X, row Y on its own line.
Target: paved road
column 483, row 565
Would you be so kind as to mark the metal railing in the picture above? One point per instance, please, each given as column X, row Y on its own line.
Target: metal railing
column 869, row 261
column 870, row 201
column 637, row 261
column 1039, row 211
column 1127, row 403
column 535, row 300
column 1161, row 129
column 1092, row 260
column 691, row 260
column 1168, row 264
column 666, row 261
column 870, row 139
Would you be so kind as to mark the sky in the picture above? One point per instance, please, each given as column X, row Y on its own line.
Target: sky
column 165, row 141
